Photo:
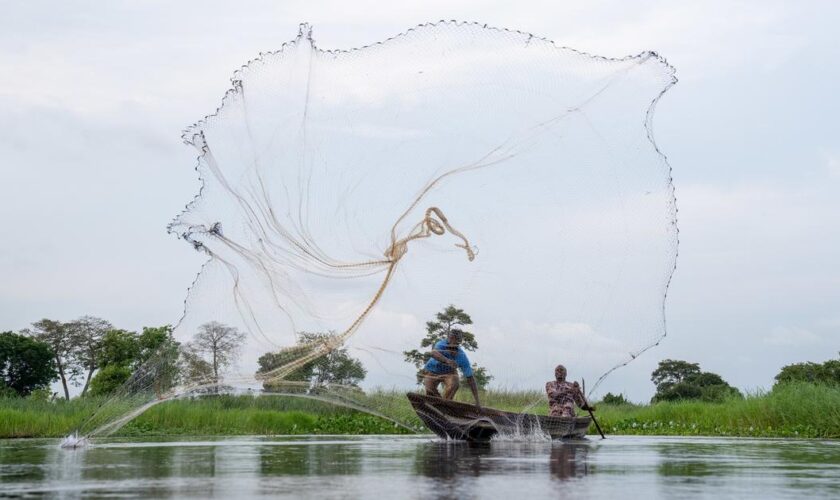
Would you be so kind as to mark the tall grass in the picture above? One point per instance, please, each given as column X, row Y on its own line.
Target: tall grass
column 228, row 415
column 21, row 417
column 268, row 415
column 792, row 410
column 795, row 410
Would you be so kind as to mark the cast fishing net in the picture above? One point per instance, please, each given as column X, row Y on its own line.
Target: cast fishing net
column 349, row 196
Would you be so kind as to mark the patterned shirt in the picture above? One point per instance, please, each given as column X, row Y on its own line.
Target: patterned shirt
column 562, row 397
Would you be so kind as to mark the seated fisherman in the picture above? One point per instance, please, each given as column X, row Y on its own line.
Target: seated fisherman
column 563, row 396
column 442, row 367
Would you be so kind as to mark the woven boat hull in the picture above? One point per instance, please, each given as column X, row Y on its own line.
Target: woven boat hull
column 455, row 420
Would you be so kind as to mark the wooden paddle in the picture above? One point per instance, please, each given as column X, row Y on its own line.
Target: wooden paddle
column 583, row 394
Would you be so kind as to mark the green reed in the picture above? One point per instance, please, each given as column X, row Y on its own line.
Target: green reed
column 796, row 410
column 793, row 410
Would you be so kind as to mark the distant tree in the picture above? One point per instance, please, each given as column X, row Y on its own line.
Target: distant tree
column 219, row 344
column 58, row 337
column 42, row 394
column 810, row 372
column 26, row 364
column 159, row 357
column 7, row 392
column 86, row 335
column 671, row 372
column 108, row 379
column 482, row 378
column 613, row 399
column 119, row 348
column 334, row 367
column 676, row 380
column 676, row 392
column 195, row 370
column 118, row 352
column 153, row 340
column 152, row 355
column 450, row 319
column 831, row 371
column 122, row 347
column 273, row 360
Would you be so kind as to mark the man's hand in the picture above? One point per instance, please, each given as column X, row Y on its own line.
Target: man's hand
column 443, row 359
column 588, row 407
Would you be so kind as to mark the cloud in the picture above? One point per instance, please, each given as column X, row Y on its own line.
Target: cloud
column 829, row 322
column 791, row 336
column 833, row 164
column 87, row 198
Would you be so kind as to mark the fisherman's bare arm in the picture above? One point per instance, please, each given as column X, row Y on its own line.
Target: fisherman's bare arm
column 474, row 389
column 443, row 359
column 580, row 399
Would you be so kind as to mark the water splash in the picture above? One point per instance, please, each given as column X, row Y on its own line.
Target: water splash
column 75, row 441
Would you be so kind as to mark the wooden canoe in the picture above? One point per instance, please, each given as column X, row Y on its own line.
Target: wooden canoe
column 455, row 420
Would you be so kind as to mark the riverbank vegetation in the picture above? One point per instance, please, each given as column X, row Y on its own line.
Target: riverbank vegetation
column 803, row 410
column 209, row 415
column 795, row 409
column 90, row 353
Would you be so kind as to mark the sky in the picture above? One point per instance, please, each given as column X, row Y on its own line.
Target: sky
column 93, row 97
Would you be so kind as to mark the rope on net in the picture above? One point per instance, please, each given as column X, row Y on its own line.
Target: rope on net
column 434, row 222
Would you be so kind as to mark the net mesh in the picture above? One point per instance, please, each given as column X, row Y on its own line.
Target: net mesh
column 357, row 193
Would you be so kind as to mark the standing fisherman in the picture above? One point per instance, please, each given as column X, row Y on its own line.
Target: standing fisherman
column 442, row 367
column 563, row 395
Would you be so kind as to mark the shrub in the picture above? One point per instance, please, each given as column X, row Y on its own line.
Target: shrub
column 26, row 364
column 109, row 379
column 680, row 380
column 812, row 373
column 41, row 395
column 613, row 399
column 7, row 392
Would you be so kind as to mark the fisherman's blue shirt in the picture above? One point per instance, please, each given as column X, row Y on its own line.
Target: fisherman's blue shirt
column 459, row 356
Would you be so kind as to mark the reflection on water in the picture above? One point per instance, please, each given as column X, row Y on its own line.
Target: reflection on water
column 329, row 460
column 452, row 462
column 421, row 467
column 447, row 462
column 569, row 462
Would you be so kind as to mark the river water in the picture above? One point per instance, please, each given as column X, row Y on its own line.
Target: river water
column 386, row 467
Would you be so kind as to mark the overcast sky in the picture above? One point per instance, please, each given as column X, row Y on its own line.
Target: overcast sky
column 93, row 97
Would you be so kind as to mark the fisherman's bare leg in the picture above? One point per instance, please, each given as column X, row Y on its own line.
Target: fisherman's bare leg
column 451, row 385
column 430, row 383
